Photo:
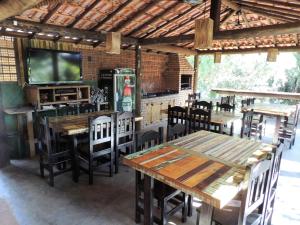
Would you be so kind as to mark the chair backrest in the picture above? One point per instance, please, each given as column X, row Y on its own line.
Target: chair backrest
column 67, row 110
column 199, row 120
column 254, row 198
column 176, row 131
column 246, row 124
column 101, row 131
column 225, row 107
column 177, row 114
column 125, row 130
column 87, row 108
column 202, row 105
column 276, row 165
column 228, row 100
column 45, row 139
column 149, row 139
column 194, row 96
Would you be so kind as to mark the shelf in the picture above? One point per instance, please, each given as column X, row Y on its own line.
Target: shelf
column 66, row 94
column 65, row 102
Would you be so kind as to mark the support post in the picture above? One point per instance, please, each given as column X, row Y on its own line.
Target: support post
column 196, row 72
column 217, row 57
column 215, row 13
column 272, row 54
column 138, row 60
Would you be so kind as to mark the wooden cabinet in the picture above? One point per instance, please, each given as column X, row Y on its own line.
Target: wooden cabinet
column 40, row 96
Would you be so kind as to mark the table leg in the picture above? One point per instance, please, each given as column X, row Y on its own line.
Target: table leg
column 206, row 212
column 148, row 200
column 75, row 159
column 30, row 133
column 276, row 131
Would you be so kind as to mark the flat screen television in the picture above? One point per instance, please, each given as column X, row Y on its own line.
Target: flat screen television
column 53, row 67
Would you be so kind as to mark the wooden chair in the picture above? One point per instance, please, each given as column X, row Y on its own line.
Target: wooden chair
column 87, row 108
column 287, row 131
column 203, row 105
column 228, row 100
column 225, row 107
column 67, row 110
column 176, row 131
column 192, row 98
column 199, row 120
column 99, row 150
column 165, row 195
column 246, row 128
column 249, row 206
column 125, row 135
column 50, row 155
column 273, row 184
column 176, row 115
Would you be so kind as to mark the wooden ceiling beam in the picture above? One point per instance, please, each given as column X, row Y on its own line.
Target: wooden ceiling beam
column 61, row 31
column 171, row 49
column 10, row 8
column 279, row 11
column 178, row 16
column 250, row 50
column 133, row 16
column 85, row 12
column 111, row 15
column 227, row 17
column 51, row 12
column 238, row 7
column 277, row 29
column 277, row 3
column 153, row 19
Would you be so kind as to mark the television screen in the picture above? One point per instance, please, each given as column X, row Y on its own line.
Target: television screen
column 40, row 67
column 68, row 66
column 48, row 66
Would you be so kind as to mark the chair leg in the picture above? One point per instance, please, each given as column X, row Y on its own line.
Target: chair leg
column 137, row 197
column 117, row 155
column 42, row 166
column 91, row 180
column 163, row 213
column 51, row 175
column 198, row 217
column 185, row 208
column 190, row 206
column 111, row 166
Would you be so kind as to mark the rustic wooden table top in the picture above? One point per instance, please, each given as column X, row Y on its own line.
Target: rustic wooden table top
column 268, row 94
column 200, row 169
column 74, row 124
column 272, row 109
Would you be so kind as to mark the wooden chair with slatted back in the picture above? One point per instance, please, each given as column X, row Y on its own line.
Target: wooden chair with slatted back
column 125, row 135
column 225, row 107
column 273, row 184
column 177, row 114
column 67, row 110
column 87, row 108
column 176, row 131
column 166, row 196
column 50, row 154
column 199, row 120
column 99, row 151
column 203, row 105
column 246, row 128
column 249, row 206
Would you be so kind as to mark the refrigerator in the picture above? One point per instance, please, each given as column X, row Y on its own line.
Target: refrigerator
column 119, row 85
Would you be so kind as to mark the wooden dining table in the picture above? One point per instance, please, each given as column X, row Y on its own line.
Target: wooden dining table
column 206, row 165
column 278, row 111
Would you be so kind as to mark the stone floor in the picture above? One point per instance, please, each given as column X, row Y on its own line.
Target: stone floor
column 26, row 199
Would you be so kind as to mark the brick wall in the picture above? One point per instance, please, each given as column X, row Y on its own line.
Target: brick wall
column 153, row 66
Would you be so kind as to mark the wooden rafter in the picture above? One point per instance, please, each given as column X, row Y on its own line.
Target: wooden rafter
column 61, row 31
column 279, row 11
column 11, row 8
column 153, row 19
column 277, row 3
column 178, row 16
column 227, row 17
column 277, row 29
column 111, row 15
column 133, row 16
column 215, row 14
column 85, row 12
column 51, row 12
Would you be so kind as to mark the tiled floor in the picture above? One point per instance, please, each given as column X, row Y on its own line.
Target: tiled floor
column 26, row 199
